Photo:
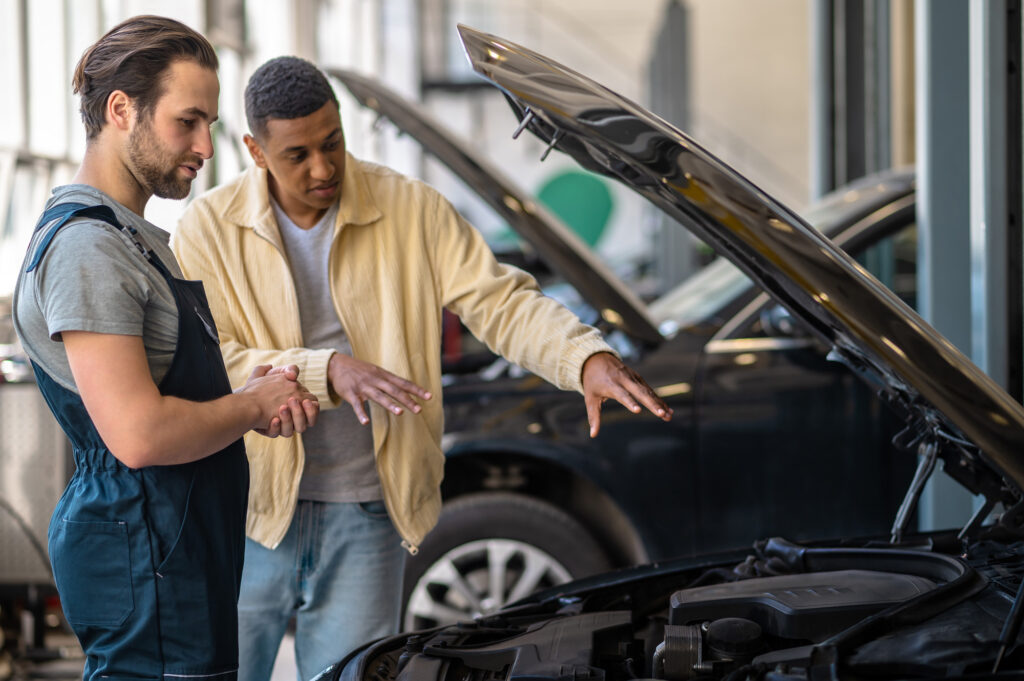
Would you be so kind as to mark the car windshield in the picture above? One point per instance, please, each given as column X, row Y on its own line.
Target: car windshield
column 712, row 287
column 699, row 296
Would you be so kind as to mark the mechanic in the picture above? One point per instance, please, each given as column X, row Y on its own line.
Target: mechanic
column 147, row 541
column 342, row 267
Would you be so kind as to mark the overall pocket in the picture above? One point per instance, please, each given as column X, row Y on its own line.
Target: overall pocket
column 92, row 569
column 170, row 527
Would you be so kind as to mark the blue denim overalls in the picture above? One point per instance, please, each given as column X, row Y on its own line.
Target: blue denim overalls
column 148, row 561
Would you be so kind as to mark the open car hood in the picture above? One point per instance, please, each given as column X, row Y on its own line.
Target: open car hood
column 952, row 407
column 555, row 243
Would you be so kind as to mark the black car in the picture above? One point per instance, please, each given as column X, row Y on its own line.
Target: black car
column 768, row 434
column 901, row 605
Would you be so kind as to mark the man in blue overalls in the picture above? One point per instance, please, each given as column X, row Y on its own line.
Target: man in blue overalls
column 146, row 543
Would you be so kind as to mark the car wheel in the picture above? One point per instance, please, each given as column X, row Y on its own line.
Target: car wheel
column 491, row 549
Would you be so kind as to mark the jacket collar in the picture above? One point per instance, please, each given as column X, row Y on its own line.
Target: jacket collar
column 249, row 205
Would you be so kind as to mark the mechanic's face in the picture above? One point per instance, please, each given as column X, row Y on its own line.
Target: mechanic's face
column 168, row 144
column 306, row 161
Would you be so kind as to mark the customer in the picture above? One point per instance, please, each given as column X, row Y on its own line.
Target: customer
column 147, row 541
column 343, row 268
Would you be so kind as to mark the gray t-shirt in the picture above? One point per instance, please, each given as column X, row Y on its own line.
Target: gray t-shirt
column 93, row 278
column 340, row 466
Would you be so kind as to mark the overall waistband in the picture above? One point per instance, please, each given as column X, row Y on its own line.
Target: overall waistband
column 97, row 459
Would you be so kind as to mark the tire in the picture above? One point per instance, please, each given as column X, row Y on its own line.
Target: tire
column 518, row 543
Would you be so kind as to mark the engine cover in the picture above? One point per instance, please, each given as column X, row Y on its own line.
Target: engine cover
column 808, row 606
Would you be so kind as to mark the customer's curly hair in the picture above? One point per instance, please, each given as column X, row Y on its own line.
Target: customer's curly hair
column 284, row 87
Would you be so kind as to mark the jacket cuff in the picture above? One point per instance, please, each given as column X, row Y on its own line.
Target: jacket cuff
column 315, row 376
column 583, row 349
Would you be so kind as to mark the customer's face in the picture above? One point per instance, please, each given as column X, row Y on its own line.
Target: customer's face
column 306, row 161
column 168, row 144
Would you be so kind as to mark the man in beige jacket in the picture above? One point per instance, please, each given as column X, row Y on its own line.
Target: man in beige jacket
column 343, row 268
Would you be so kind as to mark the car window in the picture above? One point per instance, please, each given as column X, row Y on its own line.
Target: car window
column 699, row 296
column 893, row 261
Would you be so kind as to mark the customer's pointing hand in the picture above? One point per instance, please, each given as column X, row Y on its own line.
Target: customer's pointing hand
column 604, row 377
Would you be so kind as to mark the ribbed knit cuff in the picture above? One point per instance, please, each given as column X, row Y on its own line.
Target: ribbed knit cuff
column 571, row 369
column 314, row 377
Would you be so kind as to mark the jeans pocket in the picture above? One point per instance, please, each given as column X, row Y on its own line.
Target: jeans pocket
column 92, row 569
column 373, row 509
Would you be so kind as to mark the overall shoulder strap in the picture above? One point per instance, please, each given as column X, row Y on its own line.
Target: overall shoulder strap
column 61, row 213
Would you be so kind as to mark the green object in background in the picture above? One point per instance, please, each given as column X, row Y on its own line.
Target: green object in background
column 581, row 200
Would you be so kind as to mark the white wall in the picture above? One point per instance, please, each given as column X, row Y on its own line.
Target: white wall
column 750, row 83
column 751, row 90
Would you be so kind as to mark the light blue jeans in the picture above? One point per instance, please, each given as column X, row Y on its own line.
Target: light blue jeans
column 338, row 571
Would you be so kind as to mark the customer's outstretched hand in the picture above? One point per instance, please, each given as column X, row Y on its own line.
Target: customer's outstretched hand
column 604, row 377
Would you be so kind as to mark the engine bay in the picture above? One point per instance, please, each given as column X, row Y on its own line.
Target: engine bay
column 787, row 612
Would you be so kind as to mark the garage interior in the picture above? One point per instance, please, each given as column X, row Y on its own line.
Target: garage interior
column 802, row 97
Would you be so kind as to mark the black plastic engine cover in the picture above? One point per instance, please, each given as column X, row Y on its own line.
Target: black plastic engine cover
column 808, row 606
column 557, row 649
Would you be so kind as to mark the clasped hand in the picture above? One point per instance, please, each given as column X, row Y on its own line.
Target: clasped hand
column 285, row 406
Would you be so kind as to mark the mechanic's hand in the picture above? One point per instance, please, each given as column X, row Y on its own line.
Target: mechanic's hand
column 286, row 407
column 296, row 416
column 356, row 381
column 605, row 376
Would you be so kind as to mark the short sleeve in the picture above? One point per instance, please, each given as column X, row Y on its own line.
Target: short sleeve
column 90, row 280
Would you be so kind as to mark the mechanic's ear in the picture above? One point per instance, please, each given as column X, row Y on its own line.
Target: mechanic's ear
column 255, row 150
column 121, row 111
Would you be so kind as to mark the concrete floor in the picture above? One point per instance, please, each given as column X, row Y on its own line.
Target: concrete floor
column 284, row 665
column 66, row 667
column 69, row 666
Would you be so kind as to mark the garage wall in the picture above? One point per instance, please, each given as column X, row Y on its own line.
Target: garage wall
column 750, row 85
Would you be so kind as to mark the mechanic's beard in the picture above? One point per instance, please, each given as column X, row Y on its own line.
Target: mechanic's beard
column 149, row 159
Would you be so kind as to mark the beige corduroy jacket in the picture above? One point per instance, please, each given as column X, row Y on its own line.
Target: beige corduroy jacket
column 400, row 254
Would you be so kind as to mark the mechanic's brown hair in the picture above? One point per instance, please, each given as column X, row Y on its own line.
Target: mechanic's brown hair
column 132, row 57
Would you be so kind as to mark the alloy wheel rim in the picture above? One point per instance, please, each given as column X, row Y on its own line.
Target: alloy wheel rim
column 478, row 578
